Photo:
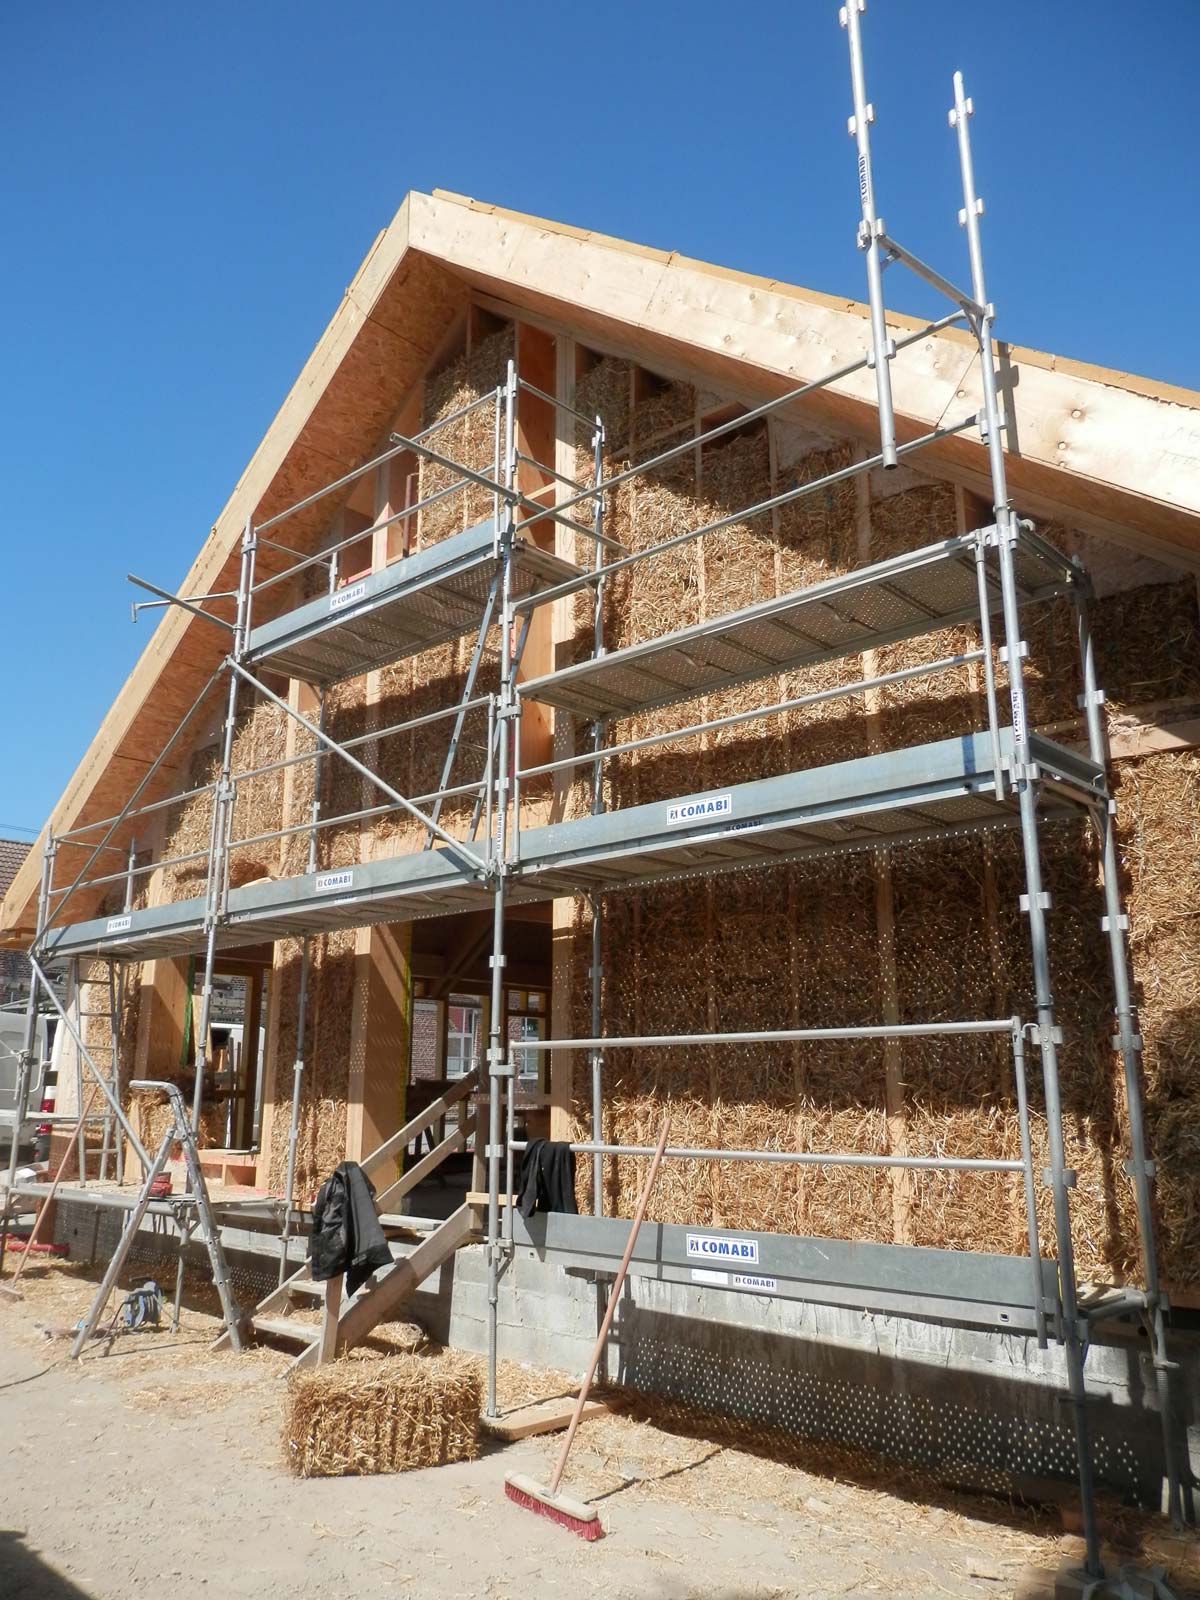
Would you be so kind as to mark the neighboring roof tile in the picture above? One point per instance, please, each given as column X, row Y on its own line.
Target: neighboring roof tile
column 12, row 854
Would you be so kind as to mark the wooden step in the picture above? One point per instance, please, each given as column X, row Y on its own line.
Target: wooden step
column 377, row 1301
column 304, row 1289
column 294, row 1331
column 420, row 1227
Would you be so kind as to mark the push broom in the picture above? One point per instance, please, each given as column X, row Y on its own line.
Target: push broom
column 568, row 1512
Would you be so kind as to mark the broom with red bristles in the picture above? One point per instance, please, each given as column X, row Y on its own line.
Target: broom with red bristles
column 577, row 1515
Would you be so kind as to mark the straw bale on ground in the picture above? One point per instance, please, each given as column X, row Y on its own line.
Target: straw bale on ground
column 391, row 1415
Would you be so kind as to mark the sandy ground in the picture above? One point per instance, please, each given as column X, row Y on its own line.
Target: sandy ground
column 153, row 1466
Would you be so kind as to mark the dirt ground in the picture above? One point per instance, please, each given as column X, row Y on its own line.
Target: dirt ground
column 155, row 1466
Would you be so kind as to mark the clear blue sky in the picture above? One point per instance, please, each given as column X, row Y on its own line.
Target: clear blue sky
column 189, row 188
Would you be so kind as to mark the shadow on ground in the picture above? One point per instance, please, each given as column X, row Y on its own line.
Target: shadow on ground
column 24, row 1573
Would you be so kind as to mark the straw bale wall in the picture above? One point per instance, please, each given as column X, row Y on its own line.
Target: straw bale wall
column 321, row 1130
column 928, row 933
column 260, row 737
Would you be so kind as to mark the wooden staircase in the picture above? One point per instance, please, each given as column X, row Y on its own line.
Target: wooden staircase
column 347, row 1323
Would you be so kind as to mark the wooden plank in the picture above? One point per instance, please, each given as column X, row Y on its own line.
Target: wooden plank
column 541, row 1416
column 328, row 1340
column 1152, row 738
column 480, row 1197
column 449, row 1146
column 376, row 1304
column 432, row 1113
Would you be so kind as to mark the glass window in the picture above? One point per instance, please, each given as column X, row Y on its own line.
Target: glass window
column 463, row 1035
column 526, row 1020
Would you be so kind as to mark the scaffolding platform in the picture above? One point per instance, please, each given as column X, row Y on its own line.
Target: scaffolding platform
column 959, row 1286
column 437, row 594
column 898, row 797
column 910, row 594
column 400, row 888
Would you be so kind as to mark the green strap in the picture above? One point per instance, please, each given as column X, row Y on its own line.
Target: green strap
column 185, row 1057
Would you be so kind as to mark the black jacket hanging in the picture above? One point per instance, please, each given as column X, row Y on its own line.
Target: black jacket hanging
column 346, row 1236
column 547, row 1177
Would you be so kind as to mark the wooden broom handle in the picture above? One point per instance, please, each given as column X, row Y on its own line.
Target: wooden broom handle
column 598, row 1347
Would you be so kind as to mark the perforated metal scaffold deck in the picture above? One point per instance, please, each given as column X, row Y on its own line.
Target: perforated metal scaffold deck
column 912, row 594
column 423, row 600
column 882, row 799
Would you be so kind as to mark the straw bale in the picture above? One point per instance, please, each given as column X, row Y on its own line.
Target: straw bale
column 946, row 703
column 1174, row 1137
column 740, row 567
column 817, row 535
column 1051, row 673
column 94, row 1003
column 1147, row 643
column 604, row 389
column 1158, row 817
column 260, row 735
column 151, row 1116
column 469, row 440
column 321, row 1134
column 391, row 1415
column 661, row 414
column 293, row 850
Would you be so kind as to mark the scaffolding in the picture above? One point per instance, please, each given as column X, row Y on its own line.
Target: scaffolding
column 487, row 581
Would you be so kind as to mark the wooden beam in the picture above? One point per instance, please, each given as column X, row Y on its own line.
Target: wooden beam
column 429, row 1162
column 1098, row 441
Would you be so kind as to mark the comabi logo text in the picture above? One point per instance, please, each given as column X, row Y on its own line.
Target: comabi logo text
column 713, row 1247
column 706, row 809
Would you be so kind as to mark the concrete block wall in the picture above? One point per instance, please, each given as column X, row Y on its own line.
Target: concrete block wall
column 985, row 1410
column 980, row 1409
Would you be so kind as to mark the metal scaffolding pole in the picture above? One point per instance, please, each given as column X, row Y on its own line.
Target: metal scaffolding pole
column 75, row 989
column 1036, row 902
column 499, row 1066
column 1128, row 1041
column 599, row 730
column 301, row 1019
column 871, row 232
column 25, row 1065
column 222, row 826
